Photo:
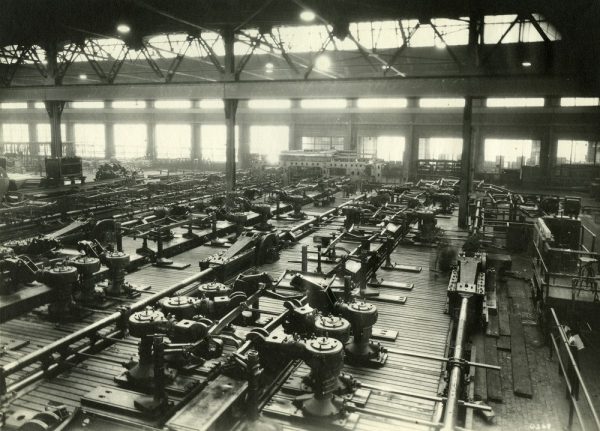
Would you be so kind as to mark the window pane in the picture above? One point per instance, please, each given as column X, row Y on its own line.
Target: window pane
column 441, row 103
column 269, row 104
column 440, row 148
column 381, row 103
column 366, row 146
column 213, row 142
column 89, row 140
column 579, row 101
column 173, row 104
column 130, row 141
column 96, row 104
column 43, row 132
column 173, row 141
column 15, row 132
column 322, row 143
column 269, row 141
column 514, row 102
column 323, row 103
column 390, row 148
column 211, row 104
column 510, row 154
column 13, row 105
column 575, row 152
column 129, row 104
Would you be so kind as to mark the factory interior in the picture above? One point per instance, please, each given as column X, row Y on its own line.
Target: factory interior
column 299, row 215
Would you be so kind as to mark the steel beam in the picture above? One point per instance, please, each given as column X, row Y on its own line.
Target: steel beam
column 478, row 86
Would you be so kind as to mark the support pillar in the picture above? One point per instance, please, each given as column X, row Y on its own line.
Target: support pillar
column 196, row 143
column 55, row 109
column 34, row 146
column 292, row 145
column 151, row 144
column 467, row 159
column 110, row 151
column 230, row 112
column 409, row 152
column 230, row 109
column 244, row 143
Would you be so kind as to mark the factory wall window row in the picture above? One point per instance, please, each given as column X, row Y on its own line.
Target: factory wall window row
column 387, row 148
column 269, row 142
column 440, row 148
column 323, row 103
column 129, row 104
column 322, row 143
column 434, row 102
column 381, row 103
column 15, row 132
column 13, row 105
column 514, row 102
column 211, row 104
column 131, row 140
column 173, row 104
column 269, row 103
column 213, row 139
column 510, row 154
column 90, row 141
column 569, row 102
column 87, row 104
column 44, row 134
column 577, row 152
column 173, row 141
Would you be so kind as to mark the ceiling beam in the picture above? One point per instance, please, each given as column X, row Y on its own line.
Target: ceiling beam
column 296, row 89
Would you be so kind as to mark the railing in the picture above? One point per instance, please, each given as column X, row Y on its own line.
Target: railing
column 552, row 275
column 589, row 239
column 567, row 352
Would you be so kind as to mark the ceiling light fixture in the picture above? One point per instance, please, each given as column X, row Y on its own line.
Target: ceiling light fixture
column 322, row 62
column 307, row 15
column 83, row 76
column 526, row 64
column 123, row 28
column 269, row 65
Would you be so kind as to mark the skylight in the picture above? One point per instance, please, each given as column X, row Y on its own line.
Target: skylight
column 383, row 103
column 323, row 103
column 431, row 102
column 514, row 102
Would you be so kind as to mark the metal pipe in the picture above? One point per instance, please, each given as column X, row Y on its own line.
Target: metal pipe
column 441, row 358
column 456, row 372
column 422, row 396
column 569, row 385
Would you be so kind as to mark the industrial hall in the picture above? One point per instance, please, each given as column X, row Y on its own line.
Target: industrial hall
column 299, row 215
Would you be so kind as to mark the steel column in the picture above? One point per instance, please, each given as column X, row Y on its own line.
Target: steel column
column 55, row 109
column 230, row 110
column 467, row 157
